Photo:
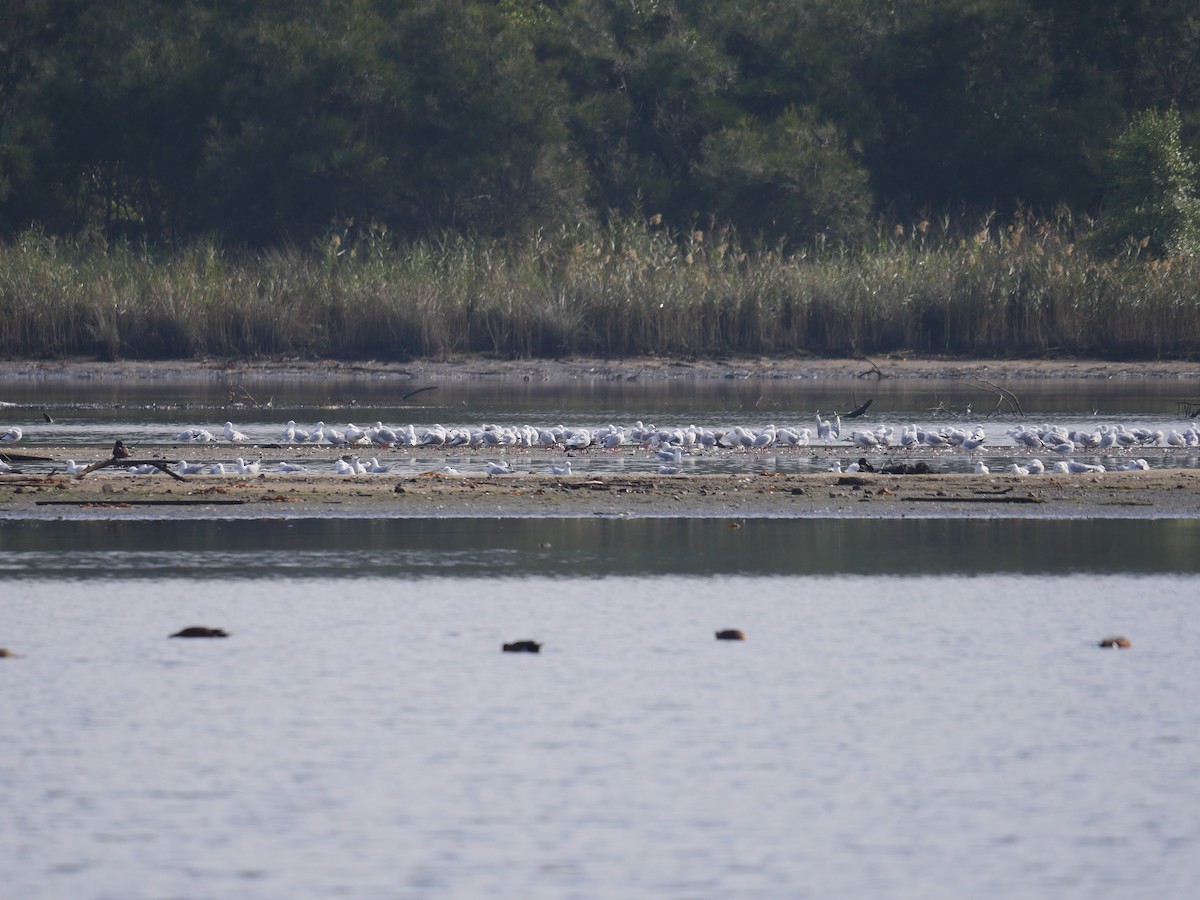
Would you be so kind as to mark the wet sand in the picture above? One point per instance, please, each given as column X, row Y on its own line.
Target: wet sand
column 1160, row 493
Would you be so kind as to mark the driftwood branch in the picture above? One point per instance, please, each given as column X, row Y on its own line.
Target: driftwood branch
column 117, row 462
column 1003, row 396
column 411, row 394
column 875, row 370
column 855, row 413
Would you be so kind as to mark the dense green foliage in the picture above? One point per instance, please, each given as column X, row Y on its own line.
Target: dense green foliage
column 273, row 124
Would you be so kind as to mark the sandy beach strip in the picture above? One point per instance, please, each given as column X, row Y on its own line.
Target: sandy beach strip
column 1160, row 493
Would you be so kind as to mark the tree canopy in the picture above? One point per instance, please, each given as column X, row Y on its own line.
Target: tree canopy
column 272, row 123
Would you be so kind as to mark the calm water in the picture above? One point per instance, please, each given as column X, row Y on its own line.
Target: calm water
column 920, row 710
column 150, row 413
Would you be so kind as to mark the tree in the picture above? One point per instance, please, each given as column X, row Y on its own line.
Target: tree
column 1152, row 198
column 793, row 178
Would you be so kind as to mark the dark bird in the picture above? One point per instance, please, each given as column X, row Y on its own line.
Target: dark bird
column 120, row 451
column 523, row 647
column 5, row 653
column 864, row 466
column 199, row 631
column 731, row 634
column 46, row 416
column 1116, row 640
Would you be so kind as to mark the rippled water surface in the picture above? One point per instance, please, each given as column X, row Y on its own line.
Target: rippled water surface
column 920, row 710
column 150, row 413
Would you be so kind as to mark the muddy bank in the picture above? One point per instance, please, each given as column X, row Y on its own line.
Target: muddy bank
column 578, row 370
column 1161, row 493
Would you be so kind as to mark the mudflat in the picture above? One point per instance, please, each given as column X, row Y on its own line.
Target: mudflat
column 1159, row 493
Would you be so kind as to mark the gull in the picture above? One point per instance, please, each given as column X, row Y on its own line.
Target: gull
column 435, row 436
column 1023, row 438
column 291, row 468
column 378, row 468
column 981, row 469
column 449, row 470
column 1036, row 466
column 579, row 439
column 864, row 439
column 384, row 436
column 217, row 469
column 766, row 438
column 1019, row 470
column 1134, row 465
column 233, row 435
column 342, row 467
column 668, row 470
column 244, row 468
column 184, row 467
column 5, row 467
column 836, row 466
column 143, row 470
column 289, row 433
column 354, row 434
column 74, row 468
column 499, row 468
column 13, row 435
column 973, row 442
column 671, row 454
column 824, row 429
column 564, row 469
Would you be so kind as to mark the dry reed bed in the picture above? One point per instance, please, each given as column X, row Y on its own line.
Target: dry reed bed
column 632, row 290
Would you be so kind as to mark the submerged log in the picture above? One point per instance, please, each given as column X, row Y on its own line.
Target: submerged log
column 126, row 462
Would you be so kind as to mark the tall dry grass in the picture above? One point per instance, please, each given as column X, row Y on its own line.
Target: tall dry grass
column 1024, row 289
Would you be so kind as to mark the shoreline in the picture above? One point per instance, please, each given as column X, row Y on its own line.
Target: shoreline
column 1160, row 493
column 799, row 367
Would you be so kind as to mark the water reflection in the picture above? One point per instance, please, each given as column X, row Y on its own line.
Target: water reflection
column 590, row 548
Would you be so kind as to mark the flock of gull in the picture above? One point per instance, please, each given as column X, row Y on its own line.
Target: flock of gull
column 669, row 446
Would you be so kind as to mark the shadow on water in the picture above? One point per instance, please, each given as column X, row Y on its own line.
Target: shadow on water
column 591, row 548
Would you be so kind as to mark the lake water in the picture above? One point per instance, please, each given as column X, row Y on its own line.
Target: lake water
column 920, row 709
column 150, row 413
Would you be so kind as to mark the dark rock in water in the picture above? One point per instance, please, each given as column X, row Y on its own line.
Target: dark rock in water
column 918, row 468
column 1116, row 640
column 731, row 634
column 199, row 631
column 523, row 647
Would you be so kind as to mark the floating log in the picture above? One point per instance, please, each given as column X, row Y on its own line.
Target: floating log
column 125, row 463
column 523, row 647
column 991, row 498
column 854, row 414
column 24, row 457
